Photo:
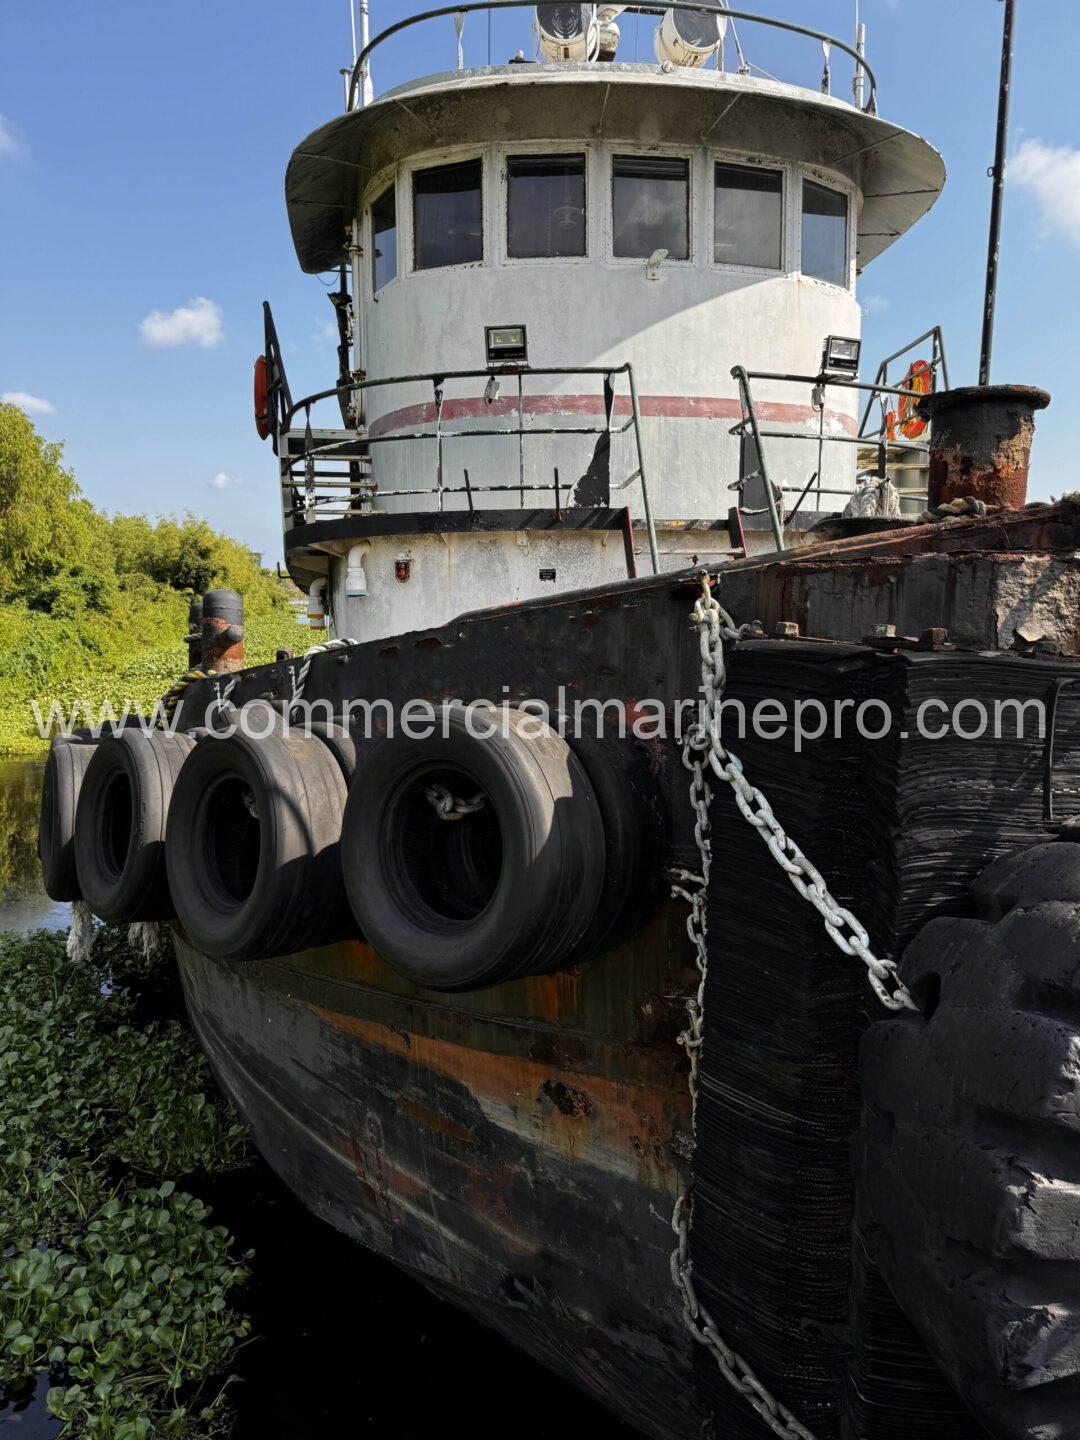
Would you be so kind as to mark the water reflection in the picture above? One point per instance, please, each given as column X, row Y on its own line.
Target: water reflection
column 23, row 903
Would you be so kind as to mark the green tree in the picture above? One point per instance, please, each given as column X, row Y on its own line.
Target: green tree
column 45, row 523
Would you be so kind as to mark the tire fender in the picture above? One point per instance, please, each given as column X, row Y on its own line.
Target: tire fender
column 252, row 850
column 508, row 891
column 68, row 759
column 120, row 824
column 969, row 1163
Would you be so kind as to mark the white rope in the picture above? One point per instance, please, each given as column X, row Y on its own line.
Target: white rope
column 80, row 940
column 874, row 496
column 145, row 937
column 301, row 675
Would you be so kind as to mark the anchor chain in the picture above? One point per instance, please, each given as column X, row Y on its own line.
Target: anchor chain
column 703, row 747
column 450, row 807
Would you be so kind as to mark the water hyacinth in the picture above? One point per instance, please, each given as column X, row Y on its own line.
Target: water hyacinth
column 113, row 1282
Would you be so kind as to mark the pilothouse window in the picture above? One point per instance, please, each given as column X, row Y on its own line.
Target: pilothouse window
column 448, row 225
column 824, row 233
column 650, row 206
column 545, row 206
column 748, row 220
column 384, row 239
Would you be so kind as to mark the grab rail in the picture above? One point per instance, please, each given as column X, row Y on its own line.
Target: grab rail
column 819, row 384
column 360, row 67
column 311, row 493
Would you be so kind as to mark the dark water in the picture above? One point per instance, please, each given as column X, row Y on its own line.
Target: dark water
column 346, row 1343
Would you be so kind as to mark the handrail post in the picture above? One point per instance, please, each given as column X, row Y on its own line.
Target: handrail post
column 650, row 528
column 521, row 438
column 739, row 374
column 439, row 384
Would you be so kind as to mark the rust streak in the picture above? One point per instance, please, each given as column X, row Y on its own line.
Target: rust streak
column 620, row 1113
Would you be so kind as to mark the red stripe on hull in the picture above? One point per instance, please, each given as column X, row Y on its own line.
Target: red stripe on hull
column 667, row 407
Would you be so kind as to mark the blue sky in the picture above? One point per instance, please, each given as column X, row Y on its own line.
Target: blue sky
column 142, row 153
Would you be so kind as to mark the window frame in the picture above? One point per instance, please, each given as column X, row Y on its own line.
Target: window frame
column 524, row 149
column 615, row 151
column 840, row 186
column 437, row 161
column 750, row 162
column 374, row 193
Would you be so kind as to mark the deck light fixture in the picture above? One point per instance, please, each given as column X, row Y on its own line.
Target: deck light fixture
column 841, row 356
column 506, row 344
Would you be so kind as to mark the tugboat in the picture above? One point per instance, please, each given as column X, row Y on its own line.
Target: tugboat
column 648, row 914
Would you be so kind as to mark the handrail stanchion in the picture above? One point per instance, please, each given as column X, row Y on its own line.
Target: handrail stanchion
column 521, row 438
column 439, row 383
column 650, row 528
column 739, row 374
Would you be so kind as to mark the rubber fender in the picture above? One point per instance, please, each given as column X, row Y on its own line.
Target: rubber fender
column 252, row 846
column 508, row 890
column 969, row 1162
column 120, row 824
column 632, row 816
column 65, row 767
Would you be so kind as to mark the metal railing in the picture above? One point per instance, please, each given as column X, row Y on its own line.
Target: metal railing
column 326, row 474
column 360, row 70
column 938, row 365
column 820, row 384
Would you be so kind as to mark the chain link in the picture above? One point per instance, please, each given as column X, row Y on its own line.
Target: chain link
column 449, row 807
column 703, row 745
column 704, row 752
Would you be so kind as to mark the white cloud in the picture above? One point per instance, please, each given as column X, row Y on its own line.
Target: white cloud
column 1051, row 175
column 32, row 404
column 10, row 146
column 326, row 330
column 221, row 481
column 197, row 323
column 875, row 304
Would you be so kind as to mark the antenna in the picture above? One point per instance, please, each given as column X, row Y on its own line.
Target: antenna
column 352, row 27
column 858, row 83
column 997, row 174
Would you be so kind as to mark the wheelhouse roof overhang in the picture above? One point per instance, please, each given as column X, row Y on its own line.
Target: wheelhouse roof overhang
column 899, row 173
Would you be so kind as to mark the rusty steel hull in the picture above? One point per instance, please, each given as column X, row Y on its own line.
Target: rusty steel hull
column 519, row 1150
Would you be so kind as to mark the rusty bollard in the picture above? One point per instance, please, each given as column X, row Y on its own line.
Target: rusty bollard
column 980, row 442
column 222, row 630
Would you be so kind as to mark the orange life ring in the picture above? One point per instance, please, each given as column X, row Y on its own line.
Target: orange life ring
column 920, row 378
column 262, row 419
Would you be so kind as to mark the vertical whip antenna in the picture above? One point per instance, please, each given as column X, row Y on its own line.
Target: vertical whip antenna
column 997, row 174
column 366, row 92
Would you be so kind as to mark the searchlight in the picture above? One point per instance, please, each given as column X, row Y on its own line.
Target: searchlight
column 688, row 37
column 567, row 32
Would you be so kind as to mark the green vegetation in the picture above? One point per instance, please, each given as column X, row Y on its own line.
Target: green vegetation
column 94, row 608
column 112, row 1280
column 20, row 801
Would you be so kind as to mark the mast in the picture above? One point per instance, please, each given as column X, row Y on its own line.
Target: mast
column 998, row 175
